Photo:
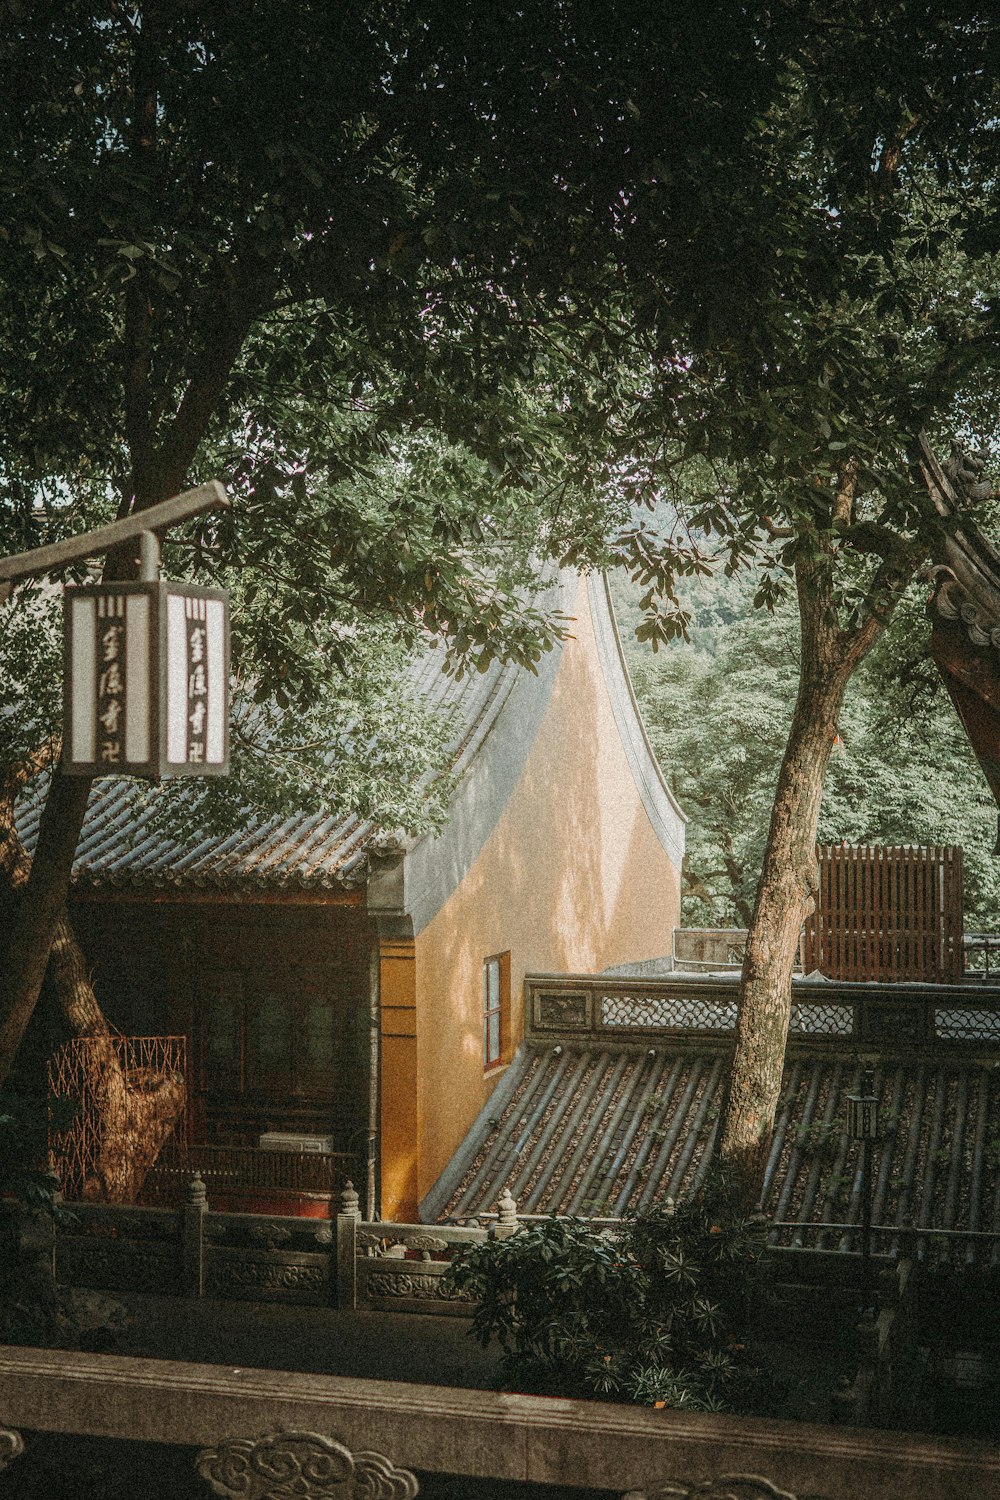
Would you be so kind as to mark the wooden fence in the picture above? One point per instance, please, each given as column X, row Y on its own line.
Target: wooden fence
column 887, row 913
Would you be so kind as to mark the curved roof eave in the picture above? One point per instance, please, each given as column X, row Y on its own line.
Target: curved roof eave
column 665, row 813
column 488, row 768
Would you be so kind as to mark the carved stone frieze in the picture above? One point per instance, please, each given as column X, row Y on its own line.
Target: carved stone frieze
column 562, row 1010
column 268, row 1236
column 430, row 1246
column 235, row 1275
column 11, row 1444
column 301, row 1466
column 413, row 1284
column 725, row 1487
column 119, row 1264
column 425, row 1242
column 323, row 1235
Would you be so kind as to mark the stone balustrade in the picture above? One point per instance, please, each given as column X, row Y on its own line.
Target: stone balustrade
column 322, row 1428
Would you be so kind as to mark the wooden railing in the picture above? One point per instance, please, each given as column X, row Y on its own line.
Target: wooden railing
column 235, row 1175
column 887, row 912
column 937, row 1249
column 981, row 957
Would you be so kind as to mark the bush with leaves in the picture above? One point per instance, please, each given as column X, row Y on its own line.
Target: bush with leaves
column 654, row 1313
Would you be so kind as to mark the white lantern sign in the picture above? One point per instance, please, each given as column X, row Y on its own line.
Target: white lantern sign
column 146, row 680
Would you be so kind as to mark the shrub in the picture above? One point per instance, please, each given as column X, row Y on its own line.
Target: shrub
column 654, row 1313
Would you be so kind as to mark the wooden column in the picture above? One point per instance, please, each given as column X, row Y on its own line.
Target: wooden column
column 397, row 992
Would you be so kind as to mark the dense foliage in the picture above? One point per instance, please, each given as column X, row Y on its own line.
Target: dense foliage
column 655, row 1313
column 717, row 709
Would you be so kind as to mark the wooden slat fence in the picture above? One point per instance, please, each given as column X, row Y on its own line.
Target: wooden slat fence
column 887, row 912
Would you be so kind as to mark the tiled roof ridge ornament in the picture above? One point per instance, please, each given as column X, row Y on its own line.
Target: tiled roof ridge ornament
column 964, row 471
column 506, row 1212
column 386, row 842
column 952, row 602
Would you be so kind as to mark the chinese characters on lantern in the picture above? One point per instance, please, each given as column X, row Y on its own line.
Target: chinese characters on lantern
column 111, row 680
column 197, row 692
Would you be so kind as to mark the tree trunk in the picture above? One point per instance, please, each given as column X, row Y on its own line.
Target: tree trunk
column 785, row 896
column 131, row 1113
column 786, row 893
column 39, row 911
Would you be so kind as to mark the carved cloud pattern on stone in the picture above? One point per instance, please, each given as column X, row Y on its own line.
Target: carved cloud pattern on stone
column 301, row 1466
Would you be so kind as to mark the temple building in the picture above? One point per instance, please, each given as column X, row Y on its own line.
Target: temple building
column 344, row 994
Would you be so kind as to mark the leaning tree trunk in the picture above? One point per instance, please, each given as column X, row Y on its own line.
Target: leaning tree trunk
column 131, row 1113
column 786, row 893
column 785, row 897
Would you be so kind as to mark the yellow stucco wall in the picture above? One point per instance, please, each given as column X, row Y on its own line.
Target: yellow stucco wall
column 572, row 879
column 398, row 1093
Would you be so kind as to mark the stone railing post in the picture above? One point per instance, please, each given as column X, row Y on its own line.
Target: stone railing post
column 506, row 1215
column 193, row 1239
column 347, row 1250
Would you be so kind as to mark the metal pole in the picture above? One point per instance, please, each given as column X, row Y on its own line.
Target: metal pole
column 149, row 557
column 866, row 1220
column 166, row 513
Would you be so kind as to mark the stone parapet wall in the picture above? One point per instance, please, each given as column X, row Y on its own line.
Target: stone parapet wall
column 481, row 1434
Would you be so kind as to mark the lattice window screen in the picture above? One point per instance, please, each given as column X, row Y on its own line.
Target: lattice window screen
column 968, row 1025
column 822, row 1020
column 668, row 1010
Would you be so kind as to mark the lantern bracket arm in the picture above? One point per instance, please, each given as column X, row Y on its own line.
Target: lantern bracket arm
column 205, row 497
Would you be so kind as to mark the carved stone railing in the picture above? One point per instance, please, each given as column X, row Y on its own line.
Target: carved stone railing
column 372, row 1436
column 192, row 1252
column 400, row 1267
column 266, row 1257
column 607, row 1008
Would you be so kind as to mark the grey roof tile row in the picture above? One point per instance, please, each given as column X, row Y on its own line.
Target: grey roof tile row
column 607, row 1133
column 121, row 847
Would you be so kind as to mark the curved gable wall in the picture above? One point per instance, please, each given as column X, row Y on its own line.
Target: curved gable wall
column 579, row 870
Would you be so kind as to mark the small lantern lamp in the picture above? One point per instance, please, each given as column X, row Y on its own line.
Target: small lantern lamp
column 146, row 680
column 862, row 1111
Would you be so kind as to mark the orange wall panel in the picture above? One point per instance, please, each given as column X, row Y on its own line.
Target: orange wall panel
column 572, row 879
column 399, row 1127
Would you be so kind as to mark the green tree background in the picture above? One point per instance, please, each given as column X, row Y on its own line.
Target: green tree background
column 717, row 707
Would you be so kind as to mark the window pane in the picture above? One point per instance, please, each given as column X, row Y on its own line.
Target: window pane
column 316, row 1045
column 269, row 1041
column 491, row 1011
column 222, row 1040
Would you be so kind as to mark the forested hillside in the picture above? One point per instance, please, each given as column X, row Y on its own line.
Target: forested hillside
column 717, row 708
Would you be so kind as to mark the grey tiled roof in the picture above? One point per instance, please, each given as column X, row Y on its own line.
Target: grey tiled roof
column 122, row 847
column 580, row 1130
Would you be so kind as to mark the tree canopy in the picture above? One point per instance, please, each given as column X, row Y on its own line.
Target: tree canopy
column 444, row 291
